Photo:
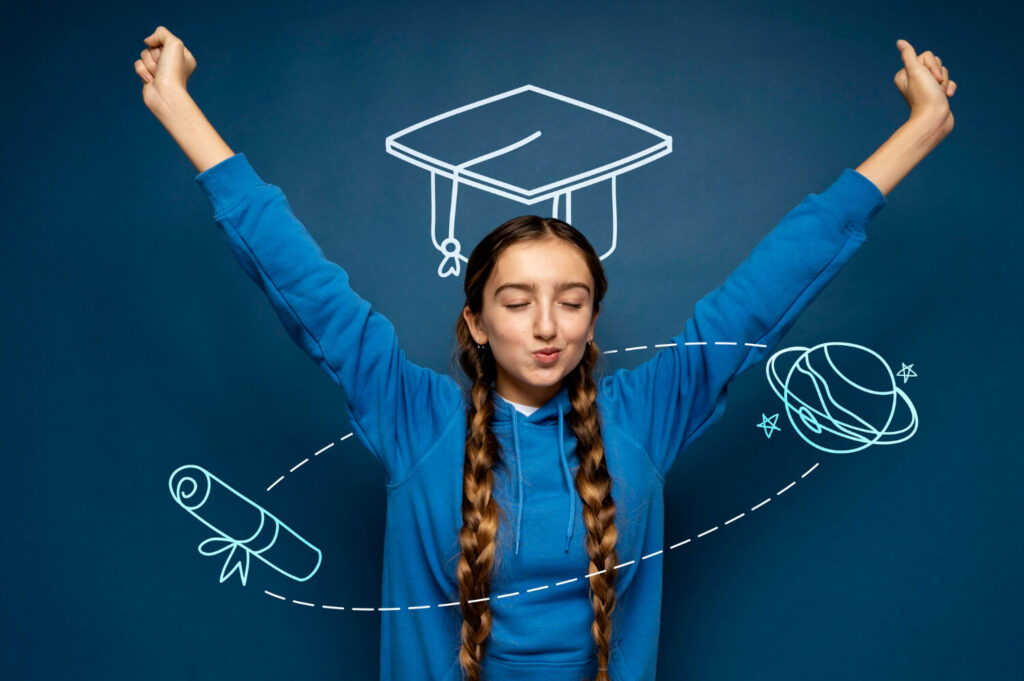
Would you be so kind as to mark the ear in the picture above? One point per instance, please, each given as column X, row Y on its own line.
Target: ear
column 475, row 330
column 593, row 323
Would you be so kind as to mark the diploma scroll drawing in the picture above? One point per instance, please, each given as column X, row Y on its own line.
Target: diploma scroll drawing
column 253, row 531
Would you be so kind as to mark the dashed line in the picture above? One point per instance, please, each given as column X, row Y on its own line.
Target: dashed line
column 565, row 581
column 306, row 460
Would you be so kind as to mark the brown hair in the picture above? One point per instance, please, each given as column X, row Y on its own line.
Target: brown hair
column 477, row 537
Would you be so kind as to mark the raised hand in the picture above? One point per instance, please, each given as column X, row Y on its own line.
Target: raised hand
column 165, row 65
column 925, row 84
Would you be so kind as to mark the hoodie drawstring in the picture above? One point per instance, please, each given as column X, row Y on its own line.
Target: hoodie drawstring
column 519, row 477
column 568, row 481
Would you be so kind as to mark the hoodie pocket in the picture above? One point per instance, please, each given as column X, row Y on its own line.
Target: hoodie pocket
column 501, row 669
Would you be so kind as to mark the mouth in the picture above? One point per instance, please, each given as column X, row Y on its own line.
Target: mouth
column 547, row 355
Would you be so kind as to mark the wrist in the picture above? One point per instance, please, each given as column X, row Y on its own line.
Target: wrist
column 930, row 125
column 164, row 100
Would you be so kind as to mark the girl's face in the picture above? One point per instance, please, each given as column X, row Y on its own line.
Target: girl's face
column 538, row 316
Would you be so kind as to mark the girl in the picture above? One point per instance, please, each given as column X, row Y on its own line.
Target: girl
column 571, row 470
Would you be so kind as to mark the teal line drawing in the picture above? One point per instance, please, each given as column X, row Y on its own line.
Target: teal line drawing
column 811, row 389
column 907, row 372
column 252, row 530
column 769, row 424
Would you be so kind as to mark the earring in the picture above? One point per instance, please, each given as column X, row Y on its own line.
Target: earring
column 481, row 348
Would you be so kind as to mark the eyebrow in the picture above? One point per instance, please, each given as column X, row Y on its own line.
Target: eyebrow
column 532, row 288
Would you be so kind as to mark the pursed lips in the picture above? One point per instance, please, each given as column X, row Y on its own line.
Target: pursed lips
column 547, row 355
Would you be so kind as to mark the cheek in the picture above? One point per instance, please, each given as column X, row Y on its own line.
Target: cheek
column 509, row 331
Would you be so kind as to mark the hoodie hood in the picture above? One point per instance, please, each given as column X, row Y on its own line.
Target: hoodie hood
column 553, row 414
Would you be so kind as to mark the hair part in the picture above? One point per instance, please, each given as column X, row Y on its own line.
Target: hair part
column 480, row 511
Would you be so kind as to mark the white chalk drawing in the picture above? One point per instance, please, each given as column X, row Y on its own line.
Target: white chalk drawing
column 907, row 372
column 811, row 389
column 769, row 424
column 253, row 531
column 495, row 145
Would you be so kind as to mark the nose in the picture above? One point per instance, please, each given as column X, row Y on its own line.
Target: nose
column 544, row 323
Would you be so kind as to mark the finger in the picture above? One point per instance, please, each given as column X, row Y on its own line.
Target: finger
column 952, row 87
column 161, row 36
column 928, row 59
column 945, row 74
column 147, row 59
column 143, row 72
column 908, row 54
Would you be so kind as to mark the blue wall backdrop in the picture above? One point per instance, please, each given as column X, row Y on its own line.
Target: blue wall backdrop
column 133, row 343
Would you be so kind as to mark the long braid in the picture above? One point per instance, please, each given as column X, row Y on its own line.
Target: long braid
column 594, row 485
column 477, row 537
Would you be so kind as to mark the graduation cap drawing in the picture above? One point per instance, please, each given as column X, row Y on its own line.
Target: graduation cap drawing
column 529, row 145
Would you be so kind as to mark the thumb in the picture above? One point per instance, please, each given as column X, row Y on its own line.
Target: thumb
column 908, row 54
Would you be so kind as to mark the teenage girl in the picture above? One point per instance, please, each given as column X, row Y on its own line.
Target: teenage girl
column 570, row 469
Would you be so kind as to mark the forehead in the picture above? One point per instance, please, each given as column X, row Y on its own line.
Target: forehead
column 544, row 262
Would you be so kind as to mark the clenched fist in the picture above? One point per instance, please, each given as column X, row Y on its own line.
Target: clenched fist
column 163, row 66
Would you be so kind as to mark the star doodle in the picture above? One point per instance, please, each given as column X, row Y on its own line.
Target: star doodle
column 907, row 372
column 768, row 424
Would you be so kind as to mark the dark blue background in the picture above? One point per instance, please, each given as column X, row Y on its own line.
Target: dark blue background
column 133, row 343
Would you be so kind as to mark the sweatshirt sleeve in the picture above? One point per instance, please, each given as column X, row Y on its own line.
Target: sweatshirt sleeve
column 670, row 400
column 395, row 406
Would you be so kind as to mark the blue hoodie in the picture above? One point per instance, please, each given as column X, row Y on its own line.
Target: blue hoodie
column 413, row 420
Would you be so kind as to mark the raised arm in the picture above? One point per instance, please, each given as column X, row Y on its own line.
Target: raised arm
column 675, row 396
column 397, row 408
